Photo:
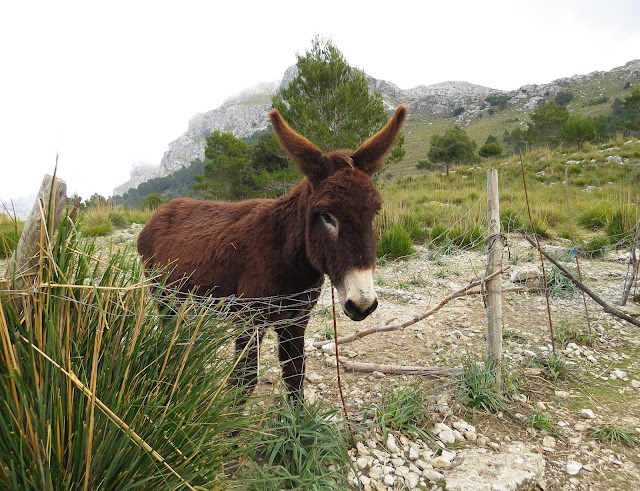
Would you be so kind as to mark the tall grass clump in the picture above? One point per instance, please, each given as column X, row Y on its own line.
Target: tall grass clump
column 395, row 243
column 404, row 409
column 478, row 387
column 97, row 392
column 300, row 447
column 10, row 231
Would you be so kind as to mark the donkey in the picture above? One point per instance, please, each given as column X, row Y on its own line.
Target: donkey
column 274, row 247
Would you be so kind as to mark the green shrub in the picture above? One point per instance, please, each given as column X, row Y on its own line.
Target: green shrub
column 98, row 227
column 596, row 247
column 558, row 285
column 417, row 232
column 395, row 243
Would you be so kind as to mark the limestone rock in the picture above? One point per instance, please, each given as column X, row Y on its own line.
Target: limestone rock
column 515, row 467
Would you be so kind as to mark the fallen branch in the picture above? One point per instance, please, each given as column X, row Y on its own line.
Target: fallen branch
column 387, row 326
column 605, row 306
column 358, row 366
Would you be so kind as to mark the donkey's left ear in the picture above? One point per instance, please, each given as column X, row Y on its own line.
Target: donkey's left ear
column 369, row 157
column 301, row 151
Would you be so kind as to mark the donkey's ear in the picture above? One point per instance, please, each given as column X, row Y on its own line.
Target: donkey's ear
column 300, row 150
column 369, row 157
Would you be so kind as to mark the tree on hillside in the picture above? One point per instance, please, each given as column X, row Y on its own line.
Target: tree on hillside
column 328, row 101
column 493, row 149
column 578, row 129
column 228, row 174
column 547, row 121
column 453, row 147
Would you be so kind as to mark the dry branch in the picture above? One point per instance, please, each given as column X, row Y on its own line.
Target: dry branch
column 387, row 326
column 605, row 306
column 358, row 366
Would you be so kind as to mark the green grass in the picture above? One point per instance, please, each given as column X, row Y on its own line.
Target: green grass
column 541, row 420
column 395, row 243
column 97, row 391
column 299, row 448
column 568, row 332
column 10, row 231
column 604, row 198
column 616, row 434
column 478, row 387
column 404, row 409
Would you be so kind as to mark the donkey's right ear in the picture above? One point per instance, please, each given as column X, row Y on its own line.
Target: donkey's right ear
column 301, row 151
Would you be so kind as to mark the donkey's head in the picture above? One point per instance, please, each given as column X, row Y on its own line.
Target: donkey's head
column 342, row 205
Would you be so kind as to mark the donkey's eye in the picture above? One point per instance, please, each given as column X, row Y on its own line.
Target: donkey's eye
column 328, row 219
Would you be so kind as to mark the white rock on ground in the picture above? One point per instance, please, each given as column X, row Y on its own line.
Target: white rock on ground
column 515, row 467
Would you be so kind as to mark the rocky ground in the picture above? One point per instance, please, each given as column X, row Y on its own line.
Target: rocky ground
column 475, row 450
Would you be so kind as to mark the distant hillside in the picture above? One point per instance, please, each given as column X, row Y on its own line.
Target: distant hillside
column 431, row 110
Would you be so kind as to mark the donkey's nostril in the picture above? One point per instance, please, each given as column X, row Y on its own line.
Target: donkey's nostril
column 356, row 313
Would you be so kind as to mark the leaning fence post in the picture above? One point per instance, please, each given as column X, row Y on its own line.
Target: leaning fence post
column 44, row 216
column 494, row 286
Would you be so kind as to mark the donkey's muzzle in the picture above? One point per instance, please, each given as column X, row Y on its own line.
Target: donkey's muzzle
column 357, row 294
column 356, row 313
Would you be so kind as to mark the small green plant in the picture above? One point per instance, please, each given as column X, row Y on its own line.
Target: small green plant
column 555, row 366
column 615, row 434
column 567, row 332
column 558, row 285
column 478, row 387
column 395, row 243
column 327, row 332
column 513, row 336
column 403, row 409
column 540, row 420
column 300, row 448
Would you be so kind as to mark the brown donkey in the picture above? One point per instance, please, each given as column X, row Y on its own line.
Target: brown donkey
column 282, row 247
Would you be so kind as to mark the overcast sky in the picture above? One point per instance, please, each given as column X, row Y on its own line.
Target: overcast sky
column 107, row 84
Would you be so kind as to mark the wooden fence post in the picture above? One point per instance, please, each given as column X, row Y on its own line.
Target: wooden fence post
column 44, row 217
column 494, row 286
column 634, row 262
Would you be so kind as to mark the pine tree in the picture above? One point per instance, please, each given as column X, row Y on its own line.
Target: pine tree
column 328, row 101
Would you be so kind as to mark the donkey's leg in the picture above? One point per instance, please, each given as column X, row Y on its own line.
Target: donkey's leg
column 291, row 354
column 245, row 373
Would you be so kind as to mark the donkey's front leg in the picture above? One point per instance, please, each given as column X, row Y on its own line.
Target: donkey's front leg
column 291, row 354
column 245, row 373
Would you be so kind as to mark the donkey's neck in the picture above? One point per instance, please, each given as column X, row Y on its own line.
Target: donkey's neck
column 290, row 218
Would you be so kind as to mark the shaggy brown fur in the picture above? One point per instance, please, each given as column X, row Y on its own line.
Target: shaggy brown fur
column 262, row 247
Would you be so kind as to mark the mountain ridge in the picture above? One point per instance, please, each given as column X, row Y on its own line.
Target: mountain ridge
column 246, row 112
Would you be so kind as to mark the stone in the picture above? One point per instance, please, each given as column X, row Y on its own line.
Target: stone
column 432, row 475
column 587, row 413
column 362, row 463
column 314, row 378
column 573, row 467
column 391, row 444
column 389, row 480
column 635, row 383
column 617, row 373
column 444, row 433
column 515, row 467
column 549, row 442
column 362, row 449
